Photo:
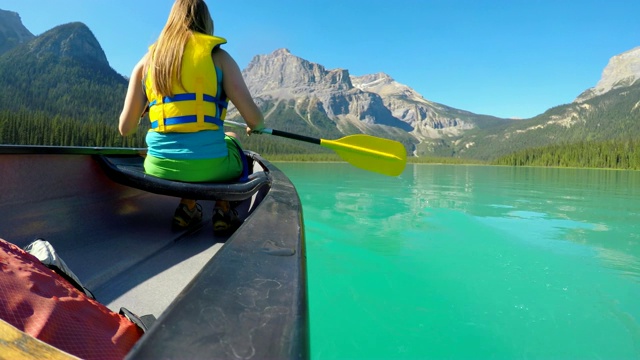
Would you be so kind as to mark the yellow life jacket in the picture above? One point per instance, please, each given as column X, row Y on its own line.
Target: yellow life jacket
column 202, row 104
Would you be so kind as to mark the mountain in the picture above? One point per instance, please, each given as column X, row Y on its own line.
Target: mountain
column 608, row 111
column 296, row 94
column 428, row 119
column 12, row 32
column 622, row 70
column 612, row 115
column 63, row 72
column 282, row 76
column 73, row 41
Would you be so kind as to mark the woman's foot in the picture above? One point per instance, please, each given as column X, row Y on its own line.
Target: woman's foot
column 225, row 219
column 186, row 216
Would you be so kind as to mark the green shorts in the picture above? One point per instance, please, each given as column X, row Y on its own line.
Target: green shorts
column 215, row 170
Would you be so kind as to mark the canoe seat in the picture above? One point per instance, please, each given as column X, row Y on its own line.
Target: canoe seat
column 129, row 170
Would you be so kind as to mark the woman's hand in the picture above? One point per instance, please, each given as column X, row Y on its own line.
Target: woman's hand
column 257, row 130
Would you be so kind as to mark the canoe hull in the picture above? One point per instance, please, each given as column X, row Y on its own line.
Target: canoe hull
column 241, row 296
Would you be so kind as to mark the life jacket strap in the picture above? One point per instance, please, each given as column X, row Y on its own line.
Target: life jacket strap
column 189, row 97
column 187, row 120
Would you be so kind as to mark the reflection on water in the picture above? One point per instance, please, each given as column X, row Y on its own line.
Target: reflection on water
column 599, row 200
column 626, row 264
column 472, row 262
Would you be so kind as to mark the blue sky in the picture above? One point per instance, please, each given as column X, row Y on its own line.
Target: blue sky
column 507, row 58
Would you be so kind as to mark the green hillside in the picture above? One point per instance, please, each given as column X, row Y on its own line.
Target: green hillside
column 58, row 89
column 61, row 80
column 614, row 115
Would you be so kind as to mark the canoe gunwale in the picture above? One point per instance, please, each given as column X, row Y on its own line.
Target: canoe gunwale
column 250, row 300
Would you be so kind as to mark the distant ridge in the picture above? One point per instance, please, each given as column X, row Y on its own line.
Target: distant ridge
column 622, row 70
column 373, row 104
column 297, row 92
column 64, row 72
column 73, row 41
column 12, row 32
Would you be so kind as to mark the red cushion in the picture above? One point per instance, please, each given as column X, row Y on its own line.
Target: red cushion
column 41, row 303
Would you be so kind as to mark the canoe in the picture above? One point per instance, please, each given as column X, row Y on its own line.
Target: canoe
column 237, row 296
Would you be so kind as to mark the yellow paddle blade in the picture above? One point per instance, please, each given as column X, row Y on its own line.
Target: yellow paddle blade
column 370, row 153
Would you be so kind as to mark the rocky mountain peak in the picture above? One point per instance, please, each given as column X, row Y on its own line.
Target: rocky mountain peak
column 384, row 85
column 74, row 40
column 374, row 78
column 281, row 52
column 622, row 70
column 283, row 75
column 12, row 31
column 349, row 101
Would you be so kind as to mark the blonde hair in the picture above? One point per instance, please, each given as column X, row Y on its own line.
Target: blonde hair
column 165, row 62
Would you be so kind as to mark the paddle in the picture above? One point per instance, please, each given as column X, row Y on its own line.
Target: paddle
column 367, row 152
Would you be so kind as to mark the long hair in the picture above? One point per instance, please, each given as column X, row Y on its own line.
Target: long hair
column 165, row 62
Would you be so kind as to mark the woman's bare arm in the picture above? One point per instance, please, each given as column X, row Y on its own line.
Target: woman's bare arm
column 237, row 91
column 135, row 101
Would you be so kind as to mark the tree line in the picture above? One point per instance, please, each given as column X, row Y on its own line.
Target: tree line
column 611, row 154
column 26, row 127
column 39, row 128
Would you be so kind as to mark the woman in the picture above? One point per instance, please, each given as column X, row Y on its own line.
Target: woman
column 186, row 80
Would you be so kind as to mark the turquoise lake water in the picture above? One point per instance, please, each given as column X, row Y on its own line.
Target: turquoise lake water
column 471, row 262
